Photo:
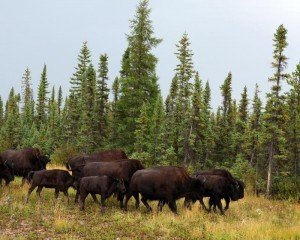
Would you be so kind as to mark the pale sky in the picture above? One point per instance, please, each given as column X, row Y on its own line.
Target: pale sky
column 225, row 35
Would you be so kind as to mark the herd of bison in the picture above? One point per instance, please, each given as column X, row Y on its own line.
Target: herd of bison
column 112, row 173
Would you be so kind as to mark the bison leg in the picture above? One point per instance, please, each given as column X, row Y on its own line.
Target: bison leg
column 38, row 191
column 188, row 203
column 103, row 198
column 76, row 196
column 219, row 204
column 121, row 199
column 56, row 193
column 32, row 187
column 128, row 196
column 137, row 200
column 202, row 204
column 172, row 205
column 95, row 198
column 227, row 200
column 144, row 201
column 66, row 194
column 82, row 198
column 160, row 205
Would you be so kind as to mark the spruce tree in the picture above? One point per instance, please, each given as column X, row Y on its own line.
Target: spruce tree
column 59, row 100
column 139, row 84
column 87, row 128
column 274, row 116
column 42, row 99
column 242, row 123
column 293, row 126
column 197, row 118
column 102, row 102
column 84, row 60
column 224, row 148
column 184, row 72
column 208, row 135
column 253, row 144
column 11, row 130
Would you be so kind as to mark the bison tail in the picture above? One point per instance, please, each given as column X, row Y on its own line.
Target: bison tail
column 30, row 176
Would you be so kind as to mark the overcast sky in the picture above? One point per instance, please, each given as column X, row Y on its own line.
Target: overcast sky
column 225, row 35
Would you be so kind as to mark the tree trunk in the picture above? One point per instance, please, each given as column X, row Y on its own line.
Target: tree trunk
column 270, row 168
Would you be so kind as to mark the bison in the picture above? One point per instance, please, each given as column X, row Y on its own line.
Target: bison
column 58, row 179
column 123, row 169
column 220, row 184
column 25, row 160
column 6, row 172
column 105, row 156
column 103, row 185
column 165, row 184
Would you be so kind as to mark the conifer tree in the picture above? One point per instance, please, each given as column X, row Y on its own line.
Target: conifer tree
column 42, row 99
column 139, row 84
column 208, row 135
column 197, row 118
column 274, row 116
column 184, row 72
column 86, row 133
column 224, row 148
column 102, row 103
column 293, row 125
column 10, row 132
column 242, row 122
column 84, row 60
column 59, row 100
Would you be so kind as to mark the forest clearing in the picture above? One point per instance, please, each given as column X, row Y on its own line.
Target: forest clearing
column 248, row 218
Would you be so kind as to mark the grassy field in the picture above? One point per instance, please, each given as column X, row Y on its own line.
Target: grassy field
column 249, row 218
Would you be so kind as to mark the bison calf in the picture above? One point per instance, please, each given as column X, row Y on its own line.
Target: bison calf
column 103, row 185
column 58, row 179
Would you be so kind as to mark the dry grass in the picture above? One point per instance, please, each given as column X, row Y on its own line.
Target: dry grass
column 249, row 218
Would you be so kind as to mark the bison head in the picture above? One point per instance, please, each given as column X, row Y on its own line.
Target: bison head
column 120, row 186
column 6, row 173
column 43, row 160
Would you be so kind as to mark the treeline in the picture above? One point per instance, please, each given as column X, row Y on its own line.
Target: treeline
column 260, row 144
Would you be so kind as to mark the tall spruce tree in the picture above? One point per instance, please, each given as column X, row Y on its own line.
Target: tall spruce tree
column 84, row 60
column 139, row 84
column 42, row 100
column 197, row 121
column 102, row 102
column 274, row 115
column 224, row 148
column 184, row 72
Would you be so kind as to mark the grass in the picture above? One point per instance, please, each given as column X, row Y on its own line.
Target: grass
column 249, row 218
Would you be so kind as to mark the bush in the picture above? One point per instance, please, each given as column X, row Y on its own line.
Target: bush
column 61, row 154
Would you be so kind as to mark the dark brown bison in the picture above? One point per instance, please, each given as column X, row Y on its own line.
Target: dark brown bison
column 6, row 172
column 219, row 184
column 105, row 156
column 58, row 179
column 123, row 169
column 25, row 160
column 165, row 184
column 103, row 185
